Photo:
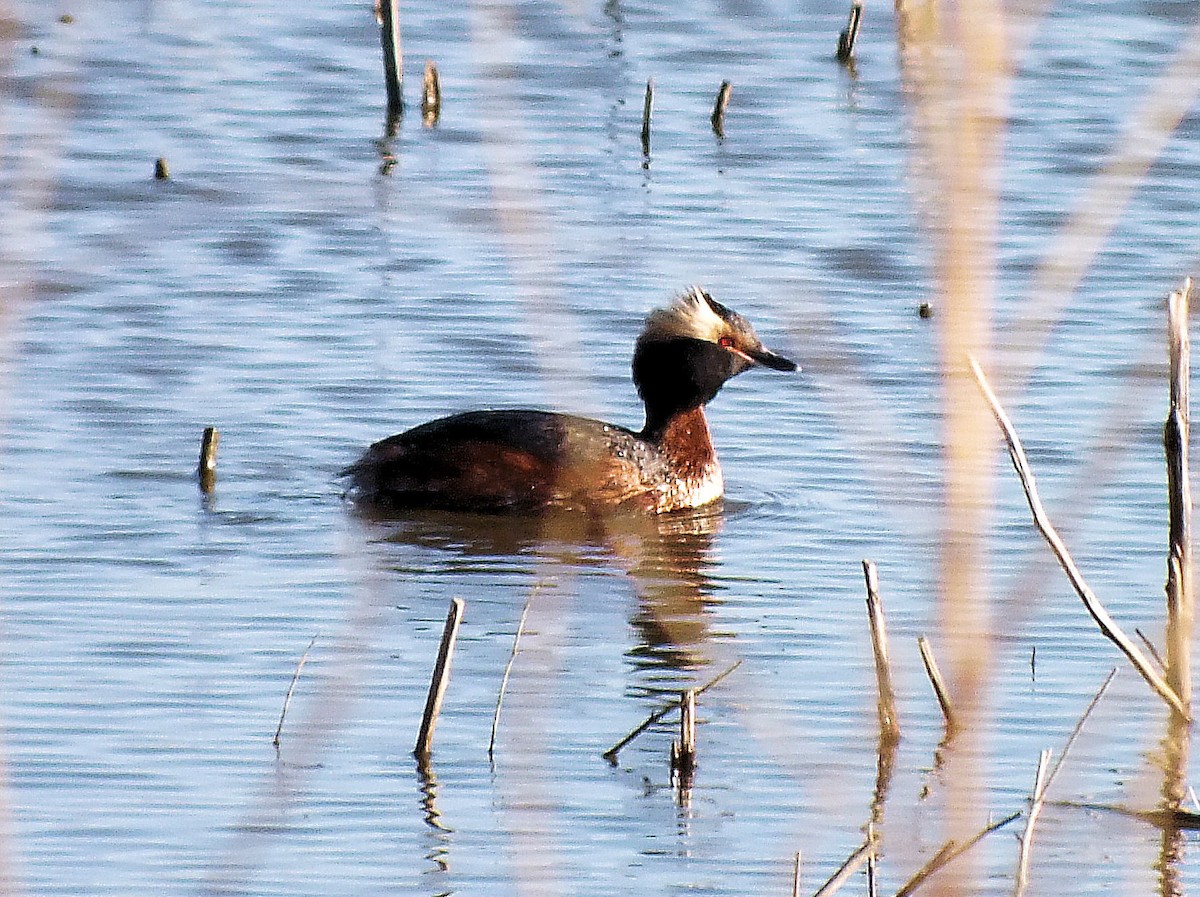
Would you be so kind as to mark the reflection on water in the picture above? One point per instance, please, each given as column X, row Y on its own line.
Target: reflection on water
column 666, row 558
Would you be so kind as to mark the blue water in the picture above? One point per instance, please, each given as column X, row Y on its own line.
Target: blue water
column 307, row 284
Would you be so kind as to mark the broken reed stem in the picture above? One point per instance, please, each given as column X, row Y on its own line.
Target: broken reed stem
column 441, row 678
column 647, row 108
column 939, row 684
column 718, row 113
column 1036, row 800
column 848, row 868
column 1107, row 625
column 611, row 754
column 845, row 47
column 508, row 669
column 207, row 470
column 796, row 876
column 431, row 95
column 1176, row 432
column 889, row 722
column 287, row 699
column 949, row 852
column 683, row 751
column 388, row 13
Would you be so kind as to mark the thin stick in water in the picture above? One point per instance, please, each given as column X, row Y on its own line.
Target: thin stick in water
column 845, row 47
column 1150, row 647
column 508, row 669
column 441, row 678
column 796, row 876
column 1079, row 725
column 611, row 754
column 853, row 863
column 431, row 95
column 207, row 471
column 1036, row 800
column 718, row 113
column 388, row 14
column 1107, row 625
column 889, row 721
column 939, row 684
column 949, row 852
column 647, row 108
column 287, row 699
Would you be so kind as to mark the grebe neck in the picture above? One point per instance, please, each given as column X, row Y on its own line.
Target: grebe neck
column 684, row 439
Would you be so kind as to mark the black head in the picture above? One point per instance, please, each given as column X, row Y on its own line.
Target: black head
column 688, row 350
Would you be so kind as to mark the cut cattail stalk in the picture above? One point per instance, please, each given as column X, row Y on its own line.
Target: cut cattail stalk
column 889, row 722
column 388, row 14
column 1180, row 597
column 441, row 678
column 287, row 699
column 683, row 751
column 939, row 685
column 796, row 876
column 611, row 754
column 1107, row 625
column 207, row 470
column 161, row 171
column 647, row 108
column 718, row 113
column 845, row 48
column 431, row 95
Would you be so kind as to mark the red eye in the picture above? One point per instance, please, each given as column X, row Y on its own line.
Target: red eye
column 726, row 341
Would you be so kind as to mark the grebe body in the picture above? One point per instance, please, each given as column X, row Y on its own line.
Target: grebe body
column 528, row 461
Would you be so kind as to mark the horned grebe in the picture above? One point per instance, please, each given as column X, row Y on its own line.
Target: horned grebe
column 525, row 461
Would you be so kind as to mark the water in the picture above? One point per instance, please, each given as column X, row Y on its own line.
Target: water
column 282, row 288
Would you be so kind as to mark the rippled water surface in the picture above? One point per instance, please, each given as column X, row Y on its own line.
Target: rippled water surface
column 308, row 284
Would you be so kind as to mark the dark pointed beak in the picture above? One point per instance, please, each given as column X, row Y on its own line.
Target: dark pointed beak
column 769, row 359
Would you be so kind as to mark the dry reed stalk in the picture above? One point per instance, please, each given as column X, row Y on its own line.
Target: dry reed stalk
column 647, row 108
column 957, row 76
column 508, row 669
column 796, row 876
column 948, row 853
column 207, row 470
column 441, row 678
column 611, row 754
column 889, row 721
column 1176, row 432
column 1107, row 625
column 287, row 699
column 162, row 171
column 387, row 12
column 683, row 751
column 939, row 685
column 845, row 47
column 719, row 107
column 1036, row 801
column 431, row 95
column 853, row 863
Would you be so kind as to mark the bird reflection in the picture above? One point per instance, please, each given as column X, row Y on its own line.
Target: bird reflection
column 667, row 558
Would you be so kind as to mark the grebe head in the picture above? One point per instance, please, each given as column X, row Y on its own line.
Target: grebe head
column 688, row 350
